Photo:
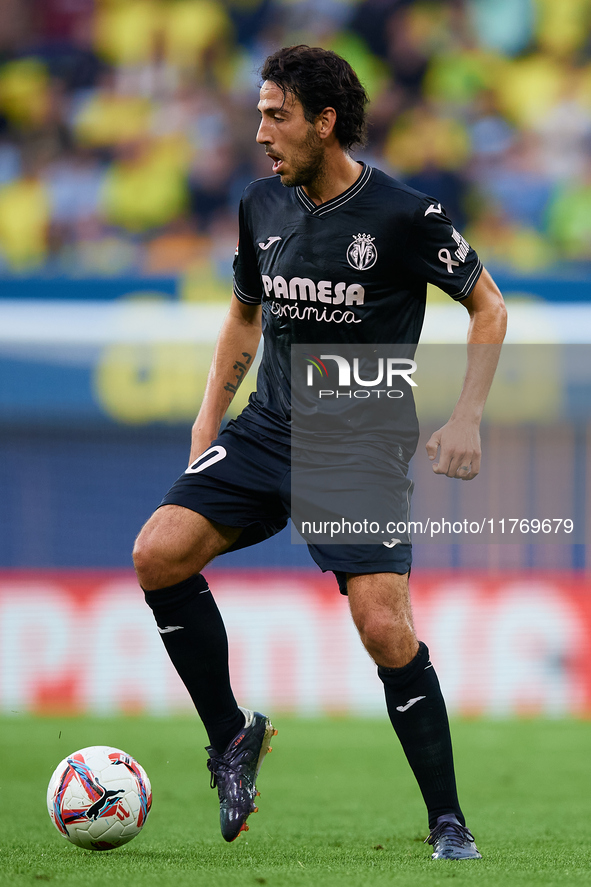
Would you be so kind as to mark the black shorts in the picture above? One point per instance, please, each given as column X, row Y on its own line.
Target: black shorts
column 244, row 480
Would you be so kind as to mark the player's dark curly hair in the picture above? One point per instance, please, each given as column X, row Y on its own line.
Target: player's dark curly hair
column 320, row 78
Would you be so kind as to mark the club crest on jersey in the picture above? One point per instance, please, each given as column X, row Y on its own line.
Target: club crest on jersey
column 362, row 253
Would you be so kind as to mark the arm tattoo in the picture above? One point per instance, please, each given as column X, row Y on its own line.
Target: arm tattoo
column 241, row 367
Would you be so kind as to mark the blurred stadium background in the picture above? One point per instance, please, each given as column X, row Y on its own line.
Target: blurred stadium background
column 126, row 137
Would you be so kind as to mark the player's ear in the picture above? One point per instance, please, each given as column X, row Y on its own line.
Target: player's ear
column 325, row 122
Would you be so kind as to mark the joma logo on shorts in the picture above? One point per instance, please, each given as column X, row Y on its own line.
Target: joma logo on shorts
column 303, row 289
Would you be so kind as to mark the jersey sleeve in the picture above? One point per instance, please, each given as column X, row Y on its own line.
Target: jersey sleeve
column 247, row 278
column 439, row 253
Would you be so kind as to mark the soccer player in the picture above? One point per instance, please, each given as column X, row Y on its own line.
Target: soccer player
column 330, row 250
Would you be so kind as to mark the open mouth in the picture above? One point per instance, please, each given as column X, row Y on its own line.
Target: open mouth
column 277, row 162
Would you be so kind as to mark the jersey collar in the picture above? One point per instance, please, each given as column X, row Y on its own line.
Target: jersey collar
column 338, row 201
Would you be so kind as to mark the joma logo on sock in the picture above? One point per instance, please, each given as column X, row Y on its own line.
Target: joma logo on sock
column 409, row 703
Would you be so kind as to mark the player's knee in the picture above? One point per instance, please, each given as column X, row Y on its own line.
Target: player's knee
column 149, row 560
column 372, row 626
column 384, row 634
column 140, row 554
column 379, row 639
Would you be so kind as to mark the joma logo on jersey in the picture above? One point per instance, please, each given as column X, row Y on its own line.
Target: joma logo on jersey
column 362, row 253
column 303, row 289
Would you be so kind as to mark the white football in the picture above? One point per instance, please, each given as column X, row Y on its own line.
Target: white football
column 99, row 798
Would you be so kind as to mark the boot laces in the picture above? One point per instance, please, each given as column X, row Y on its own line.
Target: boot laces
column 454, row 833
column 220, row 770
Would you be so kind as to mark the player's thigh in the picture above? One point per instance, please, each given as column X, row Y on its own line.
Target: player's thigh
column 177, row 537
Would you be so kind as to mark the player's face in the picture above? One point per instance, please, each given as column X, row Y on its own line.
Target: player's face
column 290, row 140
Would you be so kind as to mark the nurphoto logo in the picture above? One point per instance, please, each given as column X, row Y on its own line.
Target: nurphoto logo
column 384, row 372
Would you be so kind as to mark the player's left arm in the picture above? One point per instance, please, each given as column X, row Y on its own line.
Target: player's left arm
column 458, row 441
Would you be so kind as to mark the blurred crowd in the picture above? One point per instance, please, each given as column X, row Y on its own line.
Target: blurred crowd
column 127, row 126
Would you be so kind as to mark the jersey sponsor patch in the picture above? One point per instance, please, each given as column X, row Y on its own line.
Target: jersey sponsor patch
column 460, row 253
column 303, row 289
column 312, row 313
column 463, row 245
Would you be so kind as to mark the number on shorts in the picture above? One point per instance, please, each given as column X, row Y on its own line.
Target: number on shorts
column 209, row 457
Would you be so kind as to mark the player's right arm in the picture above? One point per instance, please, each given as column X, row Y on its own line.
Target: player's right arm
column 233, row 356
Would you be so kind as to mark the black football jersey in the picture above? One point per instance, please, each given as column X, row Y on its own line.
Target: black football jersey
column 352, row 270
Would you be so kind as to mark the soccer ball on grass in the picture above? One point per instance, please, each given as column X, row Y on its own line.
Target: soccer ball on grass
column 99, row 798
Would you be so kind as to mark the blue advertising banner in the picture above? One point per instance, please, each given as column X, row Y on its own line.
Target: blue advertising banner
column 99, row 288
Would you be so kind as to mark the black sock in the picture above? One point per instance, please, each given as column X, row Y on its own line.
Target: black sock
column 417, row 711
column 195, row 638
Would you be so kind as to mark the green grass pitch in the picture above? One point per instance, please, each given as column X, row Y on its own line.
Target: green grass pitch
column 338, row 807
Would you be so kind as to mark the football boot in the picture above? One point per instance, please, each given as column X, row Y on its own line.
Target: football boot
column 234, row 772
column 450, row 840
